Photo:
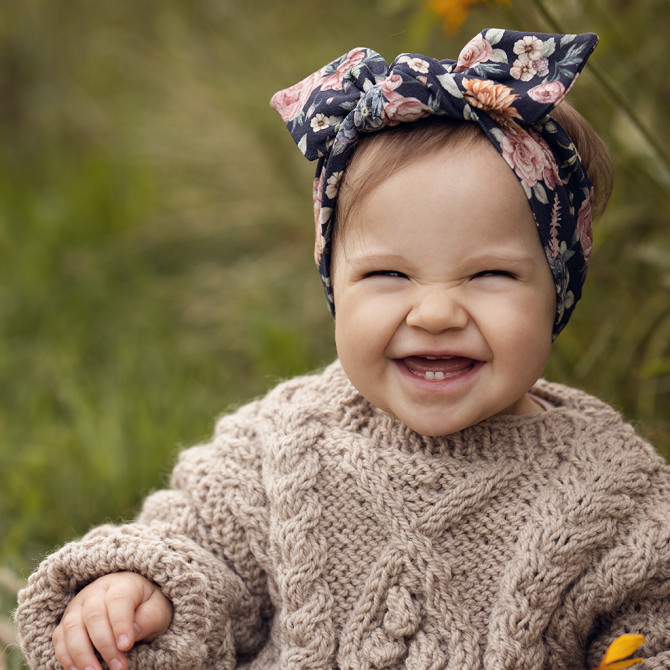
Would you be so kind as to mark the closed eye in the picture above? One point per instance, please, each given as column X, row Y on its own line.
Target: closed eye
column 495, row 273
column 386, row 273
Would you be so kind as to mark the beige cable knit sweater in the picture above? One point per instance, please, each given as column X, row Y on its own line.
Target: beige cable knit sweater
column 317, row 532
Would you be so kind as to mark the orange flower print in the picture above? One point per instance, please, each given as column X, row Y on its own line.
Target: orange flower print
column 491, row 97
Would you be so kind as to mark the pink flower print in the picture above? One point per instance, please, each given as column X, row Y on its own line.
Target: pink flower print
column 335, row 81
column 477, row 50
column 542, row 67
column 530, row 157
column 400, row 109
column 389, row 84
column 585, row 226
column 550, row 93
column 550, row 175
column 291, row 101
column 492, row 97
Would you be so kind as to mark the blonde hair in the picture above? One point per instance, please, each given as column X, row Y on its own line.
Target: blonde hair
column 381, row 154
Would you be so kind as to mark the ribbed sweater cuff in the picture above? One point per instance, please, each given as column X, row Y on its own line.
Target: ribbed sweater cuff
column 109, row 549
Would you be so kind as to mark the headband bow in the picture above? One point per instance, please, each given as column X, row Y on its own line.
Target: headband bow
column 505, row 81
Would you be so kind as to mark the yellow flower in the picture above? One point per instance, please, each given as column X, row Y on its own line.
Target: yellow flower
column 623, row 646
column 454, row 12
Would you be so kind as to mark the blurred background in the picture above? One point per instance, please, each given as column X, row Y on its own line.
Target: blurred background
column 156, row 230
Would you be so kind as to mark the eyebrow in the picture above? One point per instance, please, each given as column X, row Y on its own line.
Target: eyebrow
column 376, row 259
column 482, row 259
column 503, row 257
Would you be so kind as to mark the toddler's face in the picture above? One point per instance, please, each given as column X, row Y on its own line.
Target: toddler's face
column 444, row 299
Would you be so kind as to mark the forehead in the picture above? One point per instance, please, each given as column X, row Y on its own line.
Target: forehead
column 467, row 189
column 382, row 154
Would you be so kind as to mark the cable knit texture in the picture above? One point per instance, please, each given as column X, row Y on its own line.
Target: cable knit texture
column 317, row 532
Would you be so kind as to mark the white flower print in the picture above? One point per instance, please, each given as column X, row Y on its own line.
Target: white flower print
column 524, row 68
column 333, row 184
column 529, row 46
column 319, row 122
column 417, row 64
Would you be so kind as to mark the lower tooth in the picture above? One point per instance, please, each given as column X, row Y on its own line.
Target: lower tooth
column 430, row 374
column 439, row 375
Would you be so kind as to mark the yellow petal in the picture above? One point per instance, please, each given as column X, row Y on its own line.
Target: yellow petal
column 623, row 646
column 620, row 665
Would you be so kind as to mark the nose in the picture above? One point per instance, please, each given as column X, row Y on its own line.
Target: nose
column 437, row 309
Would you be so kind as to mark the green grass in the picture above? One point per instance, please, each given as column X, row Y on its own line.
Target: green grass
column 156, row 234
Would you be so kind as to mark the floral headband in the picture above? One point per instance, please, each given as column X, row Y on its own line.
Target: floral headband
column 503, row 80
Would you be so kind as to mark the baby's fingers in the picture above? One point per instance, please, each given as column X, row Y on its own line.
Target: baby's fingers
column 152, row 617
column 75, row 637
column 121, row 612
column 61, row 650
column 101, row 635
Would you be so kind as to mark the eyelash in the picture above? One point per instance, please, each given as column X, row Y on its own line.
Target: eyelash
column 494, row 273
column 394, row 274
column 386, row 273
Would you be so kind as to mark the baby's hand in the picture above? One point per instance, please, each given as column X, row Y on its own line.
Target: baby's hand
column 110, row 614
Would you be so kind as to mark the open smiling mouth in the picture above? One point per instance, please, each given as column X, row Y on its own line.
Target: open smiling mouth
column 438, row 368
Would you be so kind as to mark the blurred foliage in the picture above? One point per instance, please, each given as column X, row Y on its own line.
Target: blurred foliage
column 156, row 228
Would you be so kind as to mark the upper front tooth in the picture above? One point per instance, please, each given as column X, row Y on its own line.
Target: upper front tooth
column 431, row 358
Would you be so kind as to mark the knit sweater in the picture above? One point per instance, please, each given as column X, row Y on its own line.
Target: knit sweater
column 315, row 531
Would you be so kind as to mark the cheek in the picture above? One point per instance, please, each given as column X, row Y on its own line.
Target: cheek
column 353, row 336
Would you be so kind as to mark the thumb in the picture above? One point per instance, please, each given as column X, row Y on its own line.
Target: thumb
column 152, row 617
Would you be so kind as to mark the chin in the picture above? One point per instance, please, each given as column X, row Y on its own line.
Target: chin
column 436, row 432
column 432, row 429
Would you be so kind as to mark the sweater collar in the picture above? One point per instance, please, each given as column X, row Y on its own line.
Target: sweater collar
column 498, row 436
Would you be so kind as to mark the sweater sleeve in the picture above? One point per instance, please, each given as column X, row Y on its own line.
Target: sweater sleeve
column 637, row 583
column 202, row 542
